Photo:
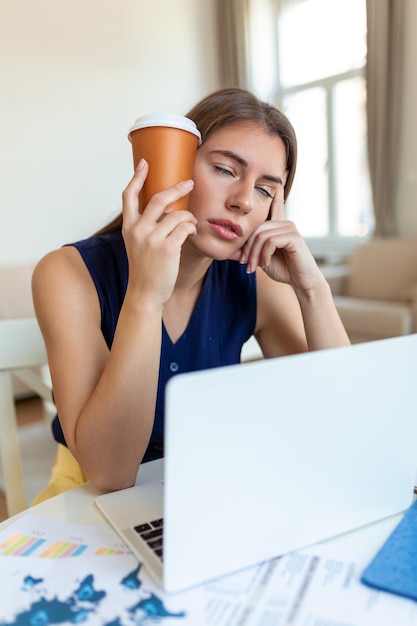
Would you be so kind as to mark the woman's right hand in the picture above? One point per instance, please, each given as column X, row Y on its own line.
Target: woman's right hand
column 154, row 236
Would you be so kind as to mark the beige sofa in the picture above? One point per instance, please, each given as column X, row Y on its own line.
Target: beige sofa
column 377, row 294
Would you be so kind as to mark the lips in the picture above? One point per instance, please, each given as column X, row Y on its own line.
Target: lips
column 226, row 229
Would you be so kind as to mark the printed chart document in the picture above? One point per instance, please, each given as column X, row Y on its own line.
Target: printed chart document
column 306, row 589
column 60, row 573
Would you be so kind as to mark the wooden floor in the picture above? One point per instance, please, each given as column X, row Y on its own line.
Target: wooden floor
column 27, row 411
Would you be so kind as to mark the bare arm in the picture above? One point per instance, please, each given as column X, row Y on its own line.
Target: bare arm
column 106, row 399
column 296, row 311
column 291, row 321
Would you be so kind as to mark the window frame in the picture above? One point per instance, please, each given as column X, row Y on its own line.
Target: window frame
column 332, row 247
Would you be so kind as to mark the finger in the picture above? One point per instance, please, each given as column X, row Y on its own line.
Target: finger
column 246, row 251
column 277, row 211
column 268, row 250
column 169, row 222
column 254, row 242
column 264, row 243
column 253, row 250
column 130, row 195
column 180, row 233
column 159, row 203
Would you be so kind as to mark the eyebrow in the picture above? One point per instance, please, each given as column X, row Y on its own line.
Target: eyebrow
column 241, row 161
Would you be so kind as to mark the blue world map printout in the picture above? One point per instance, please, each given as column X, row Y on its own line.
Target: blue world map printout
column 117, row 593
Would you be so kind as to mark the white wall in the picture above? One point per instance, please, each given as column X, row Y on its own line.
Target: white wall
column 74, row 76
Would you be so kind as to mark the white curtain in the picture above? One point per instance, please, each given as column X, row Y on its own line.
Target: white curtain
column 233, row 33
column 384, row 77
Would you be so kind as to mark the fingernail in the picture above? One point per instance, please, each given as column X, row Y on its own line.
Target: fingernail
column 188, row 184
column 141, row 164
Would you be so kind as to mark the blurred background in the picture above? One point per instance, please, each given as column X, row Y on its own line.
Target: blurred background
column 75, row 75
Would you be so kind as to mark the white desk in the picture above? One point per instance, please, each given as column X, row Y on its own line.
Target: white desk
column 78, row 507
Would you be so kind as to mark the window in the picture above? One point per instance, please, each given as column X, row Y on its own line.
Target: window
column 308, row 56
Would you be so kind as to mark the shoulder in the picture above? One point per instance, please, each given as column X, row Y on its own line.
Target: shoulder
column 81, row 262
column 58, row 266
column 61, row 283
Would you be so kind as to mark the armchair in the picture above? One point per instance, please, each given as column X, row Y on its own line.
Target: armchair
column 377, row 296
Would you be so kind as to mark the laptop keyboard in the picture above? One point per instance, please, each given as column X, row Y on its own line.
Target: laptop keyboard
column 151, row 533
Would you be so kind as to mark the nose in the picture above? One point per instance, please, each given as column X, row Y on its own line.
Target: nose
column 240, row 197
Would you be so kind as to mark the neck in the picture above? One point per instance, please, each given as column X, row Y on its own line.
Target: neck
column 193, row 268
column 180, row 306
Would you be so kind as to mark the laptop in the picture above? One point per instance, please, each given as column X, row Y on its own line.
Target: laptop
column 272, row 456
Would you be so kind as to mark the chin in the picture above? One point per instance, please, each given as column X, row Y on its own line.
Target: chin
column 213, row 249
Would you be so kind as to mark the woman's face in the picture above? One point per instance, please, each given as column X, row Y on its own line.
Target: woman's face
column 238, row 172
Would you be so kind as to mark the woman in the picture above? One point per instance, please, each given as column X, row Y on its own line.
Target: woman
column 160, row 292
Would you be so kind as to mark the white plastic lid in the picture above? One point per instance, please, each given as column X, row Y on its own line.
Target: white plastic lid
column 166, row 119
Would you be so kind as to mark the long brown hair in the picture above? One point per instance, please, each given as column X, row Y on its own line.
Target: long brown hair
column 231, row 106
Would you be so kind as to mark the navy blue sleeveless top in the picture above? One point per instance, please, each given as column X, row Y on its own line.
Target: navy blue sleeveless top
column 223, row 319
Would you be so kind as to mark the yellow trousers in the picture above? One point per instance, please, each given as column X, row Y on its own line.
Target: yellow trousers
column 66, row 474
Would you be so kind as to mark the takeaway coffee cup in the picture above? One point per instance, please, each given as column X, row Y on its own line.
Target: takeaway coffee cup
column 169, row 144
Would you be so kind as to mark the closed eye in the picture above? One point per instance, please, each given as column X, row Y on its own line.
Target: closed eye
column 223, row 170
column 227, row 172
column 265, row 192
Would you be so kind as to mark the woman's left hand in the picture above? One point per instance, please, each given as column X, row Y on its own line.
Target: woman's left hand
column 278, row 248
